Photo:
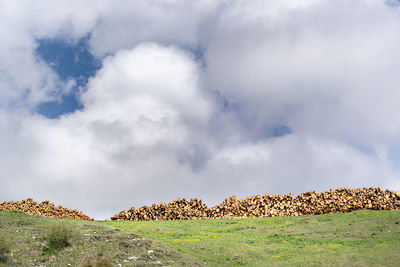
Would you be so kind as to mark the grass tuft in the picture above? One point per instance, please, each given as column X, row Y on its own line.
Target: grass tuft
column 58, row 237
column 101, row 260
column 4, row 250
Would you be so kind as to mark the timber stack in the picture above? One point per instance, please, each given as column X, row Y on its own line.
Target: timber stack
column 45, row 208
column 180, row 209
column 308, row 203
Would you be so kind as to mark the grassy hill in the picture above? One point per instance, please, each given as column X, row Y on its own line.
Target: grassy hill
column 360, row 238
column 30, row 240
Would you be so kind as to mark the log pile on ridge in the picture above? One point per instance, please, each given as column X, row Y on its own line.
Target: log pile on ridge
column 45, row 208
column 308, row 203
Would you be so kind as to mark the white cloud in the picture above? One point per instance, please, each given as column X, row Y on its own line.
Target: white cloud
column 328, row 68
column 153, row 128
column 124, row 24
column 142, row 113
column 294, row 163
column 113, row 25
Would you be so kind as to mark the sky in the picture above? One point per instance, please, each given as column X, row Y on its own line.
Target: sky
column 105, row 105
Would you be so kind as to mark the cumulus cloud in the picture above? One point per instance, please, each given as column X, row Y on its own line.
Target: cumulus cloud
column 157, row 124
column 144, row 118
column 112, row 25
column 327, row 68
column 294, row 163
column 163, row 21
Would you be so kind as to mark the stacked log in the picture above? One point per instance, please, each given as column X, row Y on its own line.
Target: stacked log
column 45, row 208
column 256, row 206
column 180, row 209
column 346, row 200
column 308, row 203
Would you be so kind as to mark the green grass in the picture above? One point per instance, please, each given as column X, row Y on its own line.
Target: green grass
column 4, row 250
column 360, row 238
column 39, row 241
column 58, row 237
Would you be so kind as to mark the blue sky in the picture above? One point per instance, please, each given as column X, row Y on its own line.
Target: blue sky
column 70, row 60
column 109, row 104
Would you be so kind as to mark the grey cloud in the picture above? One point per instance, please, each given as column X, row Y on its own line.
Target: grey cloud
column 156, row 125
column 321, row 67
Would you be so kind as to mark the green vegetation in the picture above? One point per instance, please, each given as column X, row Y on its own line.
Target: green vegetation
column 4, row 249
column 58, row 237
column 101, row 260
column 39, row 241
column 360, row 238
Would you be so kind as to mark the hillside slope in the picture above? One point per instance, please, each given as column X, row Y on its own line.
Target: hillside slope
column 359, row 238
column 29, row 240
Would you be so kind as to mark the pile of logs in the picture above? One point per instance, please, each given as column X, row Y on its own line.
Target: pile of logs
column 308, row 203
column 180, row 209
column 45, row 208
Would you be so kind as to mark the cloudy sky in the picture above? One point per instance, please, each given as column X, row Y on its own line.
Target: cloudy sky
column 109, row 104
